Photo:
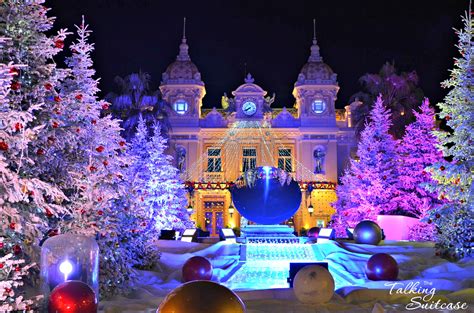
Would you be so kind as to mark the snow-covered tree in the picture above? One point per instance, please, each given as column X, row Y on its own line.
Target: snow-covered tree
column 94, row 155
column 454, row 178
column 155, row 182
column 15, row 195
column 28, row 198
column 416, row 151
column 368, row 186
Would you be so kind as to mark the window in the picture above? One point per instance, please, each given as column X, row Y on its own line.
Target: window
column 214, row 161
column 249, row 159
column 284, row 160
column 318, row 106
column 180, row 106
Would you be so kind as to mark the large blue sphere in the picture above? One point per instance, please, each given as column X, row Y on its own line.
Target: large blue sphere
column 267, row 201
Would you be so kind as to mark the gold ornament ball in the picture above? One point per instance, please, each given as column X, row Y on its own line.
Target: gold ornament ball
column 201, row 296
column 313, row 284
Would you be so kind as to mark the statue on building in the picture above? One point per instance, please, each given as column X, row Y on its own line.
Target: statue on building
column 228, row 104
column 181, row 159
column 319, row 155
column 268, row 103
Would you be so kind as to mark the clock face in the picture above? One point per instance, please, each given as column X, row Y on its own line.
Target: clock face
column 249, row 108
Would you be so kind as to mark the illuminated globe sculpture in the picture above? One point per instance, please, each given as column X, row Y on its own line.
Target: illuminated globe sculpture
column 266, row 195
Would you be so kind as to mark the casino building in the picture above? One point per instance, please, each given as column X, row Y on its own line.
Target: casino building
column 312, row 140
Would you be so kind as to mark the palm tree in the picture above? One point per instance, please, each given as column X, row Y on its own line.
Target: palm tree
column 135, row 99
column 400, row 93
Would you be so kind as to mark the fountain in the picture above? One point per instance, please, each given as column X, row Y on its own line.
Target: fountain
column 267, row 196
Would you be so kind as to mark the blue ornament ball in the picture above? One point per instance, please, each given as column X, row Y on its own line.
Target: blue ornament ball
column 367, row 232
column 266, row 196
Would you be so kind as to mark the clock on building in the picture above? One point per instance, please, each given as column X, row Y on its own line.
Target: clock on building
column 249, row 108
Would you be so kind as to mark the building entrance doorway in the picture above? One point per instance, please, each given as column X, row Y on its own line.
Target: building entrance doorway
column 213, row 217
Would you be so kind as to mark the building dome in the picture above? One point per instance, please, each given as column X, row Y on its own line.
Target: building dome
column 315, row 71
column 183, row 70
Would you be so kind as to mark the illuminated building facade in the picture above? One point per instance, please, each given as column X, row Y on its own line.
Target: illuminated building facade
column 312, row 140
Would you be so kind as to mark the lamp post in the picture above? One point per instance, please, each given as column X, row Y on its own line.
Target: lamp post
column 310, row 207
column 231, row 210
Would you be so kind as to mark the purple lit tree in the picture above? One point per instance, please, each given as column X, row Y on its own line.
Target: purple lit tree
column 368, row 186
column 155, row 182
column 417, row 150
column 454, row 178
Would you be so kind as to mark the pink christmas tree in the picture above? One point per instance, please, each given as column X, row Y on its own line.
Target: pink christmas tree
column 418, row 150
column 368, row 186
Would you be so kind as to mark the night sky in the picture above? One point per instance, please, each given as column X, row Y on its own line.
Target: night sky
column 272, row 37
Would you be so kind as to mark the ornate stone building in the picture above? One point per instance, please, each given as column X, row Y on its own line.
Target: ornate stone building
column 312, row 140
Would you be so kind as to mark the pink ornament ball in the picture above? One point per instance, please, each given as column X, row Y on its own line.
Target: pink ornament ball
column 197, row 268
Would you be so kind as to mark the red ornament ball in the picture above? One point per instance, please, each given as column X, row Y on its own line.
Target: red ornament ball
column 99, row 149
column 48, row 86
column 15, row 85
column 14, row 71
column 59, row 44
column 79, row 97
column 105, row 106
column 40, row 151
column 381, row 266
column 55, row 124
column 3, row 146
column 72, row 297
column 122, row 143
column 201, row 297
column 313, row 232
column 197, row 268
column 17, row 249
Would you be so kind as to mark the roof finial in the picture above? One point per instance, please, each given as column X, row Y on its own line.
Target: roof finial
column 315, row 56
column 183, row 47
column 184, row 28
column 314, row 30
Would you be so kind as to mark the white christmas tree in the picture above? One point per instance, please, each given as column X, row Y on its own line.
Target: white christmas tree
column 155, row 182
column 93, row 154
column 29, row 199
column 454, row 178
column 21, row 196
column 368, row 186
